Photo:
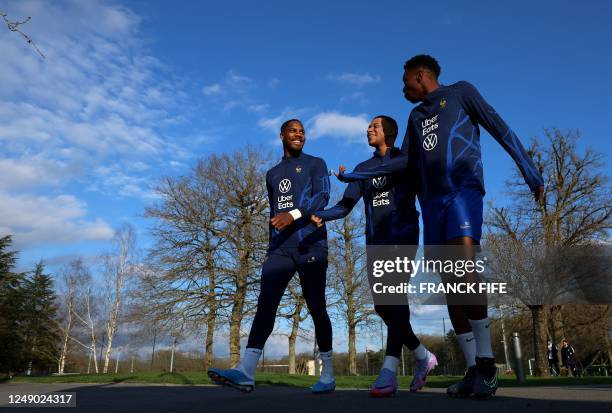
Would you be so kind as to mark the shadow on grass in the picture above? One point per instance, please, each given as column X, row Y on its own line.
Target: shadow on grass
column 122, row 379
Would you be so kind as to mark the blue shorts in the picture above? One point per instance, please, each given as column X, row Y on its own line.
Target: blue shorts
column 458, row 214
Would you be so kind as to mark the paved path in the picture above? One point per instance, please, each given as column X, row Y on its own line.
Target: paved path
column 134, row 398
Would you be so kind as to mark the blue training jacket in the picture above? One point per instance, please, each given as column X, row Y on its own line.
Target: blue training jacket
column 441, row 148
column 301, row 183
column 389, row 201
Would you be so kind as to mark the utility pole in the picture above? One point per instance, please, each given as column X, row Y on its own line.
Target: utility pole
column 505, row 343
column 172, row 354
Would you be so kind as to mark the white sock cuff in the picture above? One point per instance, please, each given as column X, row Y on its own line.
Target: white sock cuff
column 479, row 323
column 391, row 363
column 326, row 355
column 464, row 337
column 420, row 353
column 254, row 351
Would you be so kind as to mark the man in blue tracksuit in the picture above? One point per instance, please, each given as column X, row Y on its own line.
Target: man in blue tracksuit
column 391, row 219
column 297, row 188
column 441, row 153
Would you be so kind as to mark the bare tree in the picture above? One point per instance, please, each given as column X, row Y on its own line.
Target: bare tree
column 243, row 215
column 71, row 278
column 85, row 311
column 120, row 267
column 188, row 245
column 211, row 238
column 576, row 212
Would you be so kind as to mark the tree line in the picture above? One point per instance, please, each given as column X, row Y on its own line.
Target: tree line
column 201, row 276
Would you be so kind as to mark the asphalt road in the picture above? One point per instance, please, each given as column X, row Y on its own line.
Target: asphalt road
column 133, row 398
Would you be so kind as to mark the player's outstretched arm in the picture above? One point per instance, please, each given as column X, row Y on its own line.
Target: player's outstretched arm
column 388, row 166
column 351, row 196
column 477, row 108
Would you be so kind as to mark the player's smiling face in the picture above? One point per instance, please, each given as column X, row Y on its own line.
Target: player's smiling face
column 376, row 133
column 293, row 136
column 413, row 88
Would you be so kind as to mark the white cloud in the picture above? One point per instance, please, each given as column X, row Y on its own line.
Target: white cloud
column 213, row 89
column 98, row 95
column 258, row 108
column 273, row 124
column 92, row 115
column 336, row 124
column 356, row 79
column 234, row 91
column 113, row 181
column 34, row 220
column 34, row 171
column 359, row 97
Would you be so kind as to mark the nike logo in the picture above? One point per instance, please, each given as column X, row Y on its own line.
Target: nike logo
column 467, row 340
column 487, row 326
column 491, row 383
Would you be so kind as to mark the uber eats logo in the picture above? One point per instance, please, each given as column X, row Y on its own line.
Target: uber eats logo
column 380, row 198
column 284, row 201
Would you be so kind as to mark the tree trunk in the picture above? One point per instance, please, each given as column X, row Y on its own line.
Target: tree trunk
column 538, row 314
column 557, row 329
column 212, row 305
column 64, row 352
column 238, row 309
column 352, row 353
column 210, row 331
column 244, row 266
column 295, row 327
column 111, row 329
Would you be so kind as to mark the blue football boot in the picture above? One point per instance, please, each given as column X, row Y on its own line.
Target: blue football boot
column 232, row 378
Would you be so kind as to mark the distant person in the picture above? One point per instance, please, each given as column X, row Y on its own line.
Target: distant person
column 391, row 219
column 441, row 152
column 553, row 358
column 298, row 187
column 568, row 357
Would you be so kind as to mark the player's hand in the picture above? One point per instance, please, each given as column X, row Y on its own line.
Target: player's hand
column 341, row 170
column 317, row 221
column 282, row 220
column 539, row 195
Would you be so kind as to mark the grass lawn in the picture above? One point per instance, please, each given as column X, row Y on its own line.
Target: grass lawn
column 276, row 379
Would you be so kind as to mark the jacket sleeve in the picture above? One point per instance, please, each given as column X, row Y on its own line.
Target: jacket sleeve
column 316, row 193
column 477, row 108
column 270, row 194
column 351, row 196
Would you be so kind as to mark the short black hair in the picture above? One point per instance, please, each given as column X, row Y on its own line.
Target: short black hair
column 423, row 61
column 389, row 127
column 287, row 122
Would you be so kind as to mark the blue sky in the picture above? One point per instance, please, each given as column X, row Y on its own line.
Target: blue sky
column 132, row 91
